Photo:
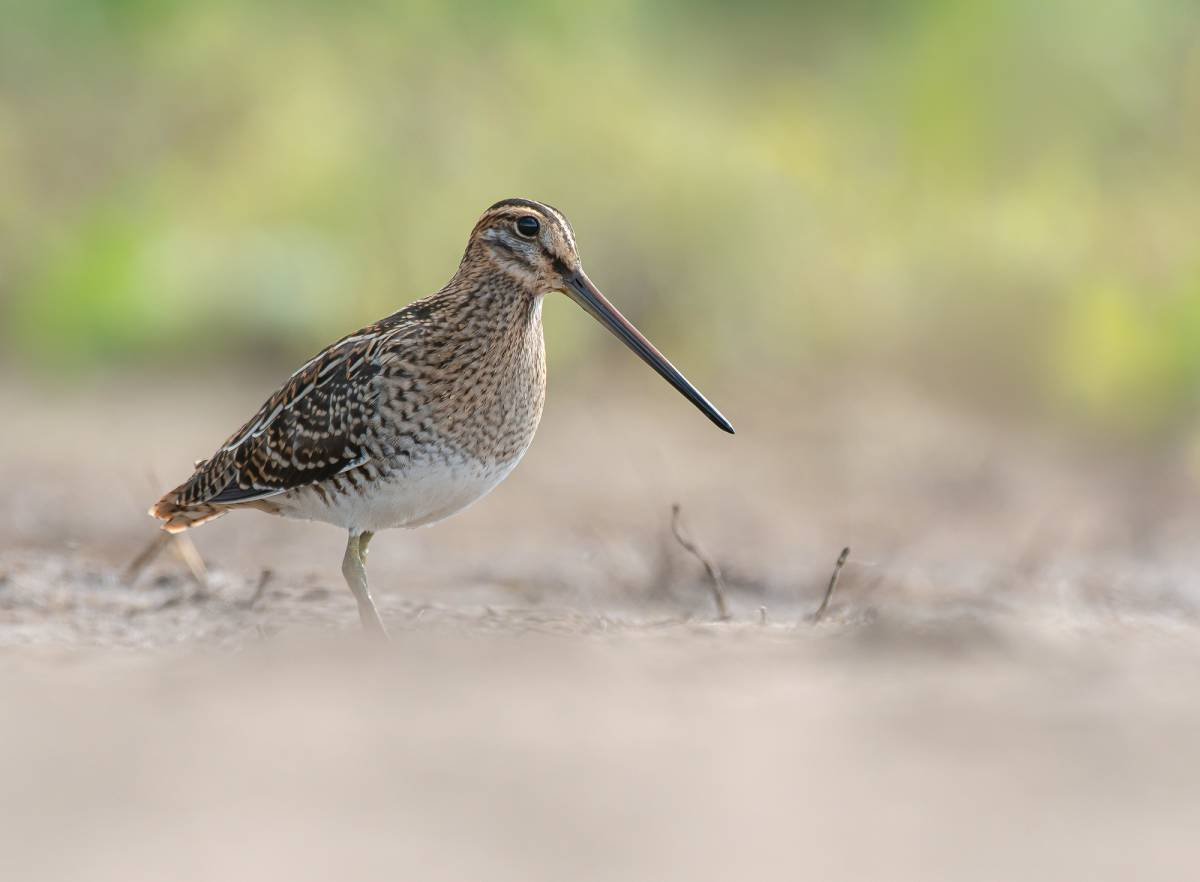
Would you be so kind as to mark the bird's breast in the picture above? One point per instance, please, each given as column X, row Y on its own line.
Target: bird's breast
column 487, row 399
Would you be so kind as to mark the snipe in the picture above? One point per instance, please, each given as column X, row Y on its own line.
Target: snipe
column 415, row 417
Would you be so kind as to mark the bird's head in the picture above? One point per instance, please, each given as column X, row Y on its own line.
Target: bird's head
column 529, row 242
column 533, row 244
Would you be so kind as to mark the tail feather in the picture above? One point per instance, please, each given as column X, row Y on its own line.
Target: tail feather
column 177, row 518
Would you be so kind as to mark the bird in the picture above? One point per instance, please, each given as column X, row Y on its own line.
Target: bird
column 411, row 419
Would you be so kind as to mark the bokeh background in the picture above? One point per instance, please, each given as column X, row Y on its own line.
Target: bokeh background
column 939, row 262
column 1000, row 199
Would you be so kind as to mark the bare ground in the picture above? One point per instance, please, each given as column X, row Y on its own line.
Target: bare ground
column 1004, row 687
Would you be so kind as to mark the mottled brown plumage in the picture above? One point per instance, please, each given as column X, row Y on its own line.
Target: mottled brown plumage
column 413, row 418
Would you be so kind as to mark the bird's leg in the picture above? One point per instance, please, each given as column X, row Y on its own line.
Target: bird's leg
column 355, row 571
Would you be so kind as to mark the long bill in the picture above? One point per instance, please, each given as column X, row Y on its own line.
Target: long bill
column 580, row 289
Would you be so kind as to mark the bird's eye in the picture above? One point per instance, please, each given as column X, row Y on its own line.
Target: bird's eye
column 528, row 226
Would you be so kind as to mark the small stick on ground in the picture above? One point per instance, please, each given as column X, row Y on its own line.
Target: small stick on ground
column 147, row 554
column 190, row 555
column 833, row 580
column 263, row 581
column 156, row 545
column 716, row 582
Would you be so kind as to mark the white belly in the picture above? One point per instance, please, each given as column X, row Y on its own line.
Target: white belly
column 421, row 495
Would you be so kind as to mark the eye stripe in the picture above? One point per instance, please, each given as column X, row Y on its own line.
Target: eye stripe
column 562, row 221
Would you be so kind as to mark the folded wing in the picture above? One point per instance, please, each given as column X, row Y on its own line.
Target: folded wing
column 312, row 429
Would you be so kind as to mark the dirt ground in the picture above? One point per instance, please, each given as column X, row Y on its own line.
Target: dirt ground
column 1004, row 687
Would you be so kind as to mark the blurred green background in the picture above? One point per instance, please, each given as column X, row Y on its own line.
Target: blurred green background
column 998, row 199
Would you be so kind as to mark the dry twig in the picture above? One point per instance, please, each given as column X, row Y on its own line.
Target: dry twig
column 833, row 580
column 155, row 546
column 190, row 555
column 716, row 582
column 263, row 581
column 147, row 554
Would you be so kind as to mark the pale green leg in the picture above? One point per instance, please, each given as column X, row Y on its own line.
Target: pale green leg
column 354, row 568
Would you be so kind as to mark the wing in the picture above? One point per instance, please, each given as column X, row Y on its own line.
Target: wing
column 313, row 428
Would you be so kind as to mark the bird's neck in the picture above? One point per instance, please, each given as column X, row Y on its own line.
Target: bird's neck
column 486, row 296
